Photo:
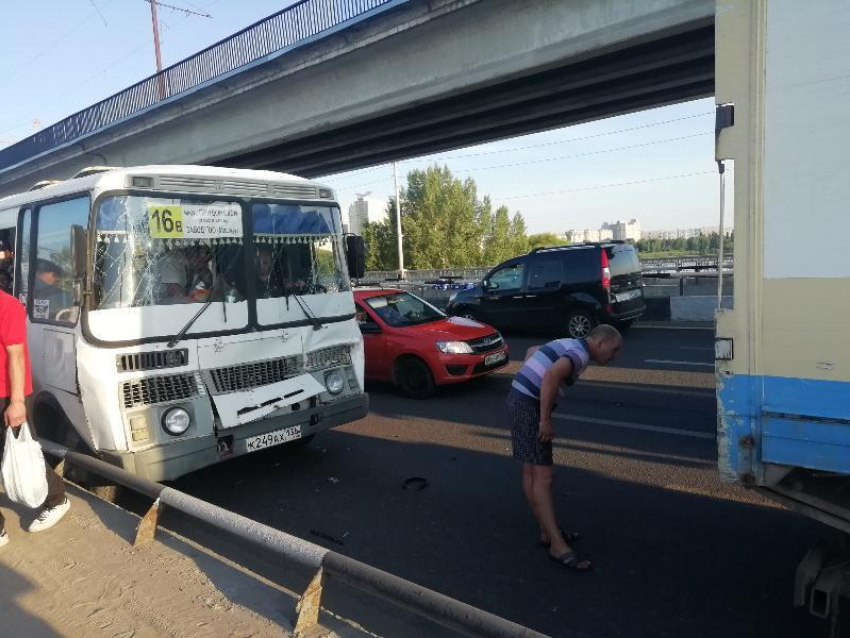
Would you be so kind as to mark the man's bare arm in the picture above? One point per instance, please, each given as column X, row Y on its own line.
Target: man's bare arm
column 559, row 372
column 16, row 412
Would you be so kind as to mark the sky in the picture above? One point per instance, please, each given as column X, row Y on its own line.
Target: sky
column 656, row 165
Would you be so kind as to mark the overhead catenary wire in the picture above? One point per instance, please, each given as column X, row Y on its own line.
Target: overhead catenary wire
column 80, row 84
column 438, row 159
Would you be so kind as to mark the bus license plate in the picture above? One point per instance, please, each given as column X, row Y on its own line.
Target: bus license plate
column 493, row 359
column 270, row 439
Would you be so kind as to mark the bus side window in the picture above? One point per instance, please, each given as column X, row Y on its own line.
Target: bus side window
column 7, row 259
column 53, row 285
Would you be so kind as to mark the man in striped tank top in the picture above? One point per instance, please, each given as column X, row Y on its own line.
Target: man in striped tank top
column 546, row 372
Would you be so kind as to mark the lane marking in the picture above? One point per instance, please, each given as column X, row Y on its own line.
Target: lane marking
column 679, row 363
column 636, row 426
column 662, row 327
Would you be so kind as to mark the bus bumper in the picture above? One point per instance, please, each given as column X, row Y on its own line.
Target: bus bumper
column 169, row 462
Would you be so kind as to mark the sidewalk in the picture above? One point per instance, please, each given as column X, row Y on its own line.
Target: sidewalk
column 84, row 578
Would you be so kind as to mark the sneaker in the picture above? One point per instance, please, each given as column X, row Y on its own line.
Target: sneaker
column 50, row 516
column 4, row 538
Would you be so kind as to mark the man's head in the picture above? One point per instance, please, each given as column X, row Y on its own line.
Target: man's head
column 47, row 271
column 264, row 260
column 604, row 343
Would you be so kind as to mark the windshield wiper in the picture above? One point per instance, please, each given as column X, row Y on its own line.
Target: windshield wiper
column 317, row 325
column 180, row 335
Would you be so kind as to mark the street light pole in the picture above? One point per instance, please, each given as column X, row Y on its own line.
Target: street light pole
column 398, row 224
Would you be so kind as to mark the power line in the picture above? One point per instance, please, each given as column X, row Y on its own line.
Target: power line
column 99, row 13
column 79, row 85
column 557, row 142
column 429, row 159
column 188, row 12
column 589, row 153
column 601, row 186
column 53, row 44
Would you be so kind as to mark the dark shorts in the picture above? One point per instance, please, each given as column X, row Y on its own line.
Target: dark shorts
column 524, row 417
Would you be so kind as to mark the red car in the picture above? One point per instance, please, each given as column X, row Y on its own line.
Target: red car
column 412, row 344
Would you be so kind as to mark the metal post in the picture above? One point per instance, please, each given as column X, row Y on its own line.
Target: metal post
column 159, row 79
column 398, row 224
column 156, row 36
column 722, row 169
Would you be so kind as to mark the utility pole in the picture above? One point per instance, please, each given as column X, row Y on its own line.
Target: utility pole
column 156, row 48
column 398, row 224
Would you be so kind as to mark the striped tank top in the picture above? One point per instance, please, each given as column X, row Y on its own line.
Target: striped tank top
column 530, row 377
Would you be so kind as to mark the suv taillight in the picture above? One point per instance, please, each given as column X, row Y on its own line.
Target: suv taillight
column 606, row 273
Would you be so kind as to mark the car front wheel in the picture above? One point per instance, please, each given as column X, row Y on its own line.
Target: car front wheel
column 414, row 378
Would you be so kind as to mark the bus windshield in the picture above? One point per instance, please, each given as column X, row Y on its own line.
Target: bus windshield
column 181, row 250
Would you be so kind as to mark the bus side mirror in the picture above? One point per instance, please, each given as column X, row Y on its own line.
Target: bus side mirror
column 355, row 255
column 79, row 245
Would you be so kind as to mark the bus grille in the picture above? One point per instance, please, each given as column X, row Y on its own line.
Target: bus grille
column 152, row 390
column 253, row 375
column 134, row 361
column 328, row 357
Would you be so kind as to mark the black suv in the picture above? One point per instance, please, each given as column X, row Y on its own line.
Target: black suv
column 569, row 289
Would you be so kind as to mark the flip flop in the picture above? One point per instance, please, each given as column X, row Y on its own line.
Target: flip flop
column 569, row 538
column 573, row 561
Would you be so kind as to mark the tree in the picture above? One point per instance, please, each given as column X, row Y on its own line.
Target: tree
column 544, row 240
column 444, row 225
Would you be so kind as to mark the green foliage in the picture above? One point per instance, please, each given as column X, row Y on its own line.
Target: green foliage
column 444, row 225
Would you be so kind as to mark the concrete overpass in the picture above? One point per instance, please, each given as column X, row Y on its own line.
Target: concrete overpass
column 407, row 78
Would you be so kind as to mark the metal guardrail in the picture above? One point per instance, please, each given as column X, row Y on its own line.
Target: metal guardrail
column 448, row 612
column 694, row 263
column 286, row 29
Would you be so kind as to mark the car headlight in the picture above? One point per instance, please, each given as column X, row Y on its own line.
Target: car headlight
column 334, row 382
column 452, row 297
column 176, row 421
column 454, row 347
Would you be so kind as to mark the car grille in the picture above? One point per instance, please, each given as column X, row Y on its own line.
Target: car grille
column 134, row 361
column 485, row 344
column 152, row 390
column 328, row 357
column 253, row 375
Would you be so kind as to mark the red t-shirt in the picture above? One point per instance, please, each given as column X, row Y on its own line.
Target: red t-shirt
column 13, row 332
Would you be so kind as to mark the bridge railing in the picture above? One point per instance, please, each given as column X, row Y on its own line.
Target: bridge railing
column 294, row 26
column 447, row 276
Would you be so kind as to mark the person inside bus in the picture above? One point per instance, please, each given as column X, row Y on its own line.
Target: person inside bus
column 267, row 282
column 50, row 299
column 185, row 275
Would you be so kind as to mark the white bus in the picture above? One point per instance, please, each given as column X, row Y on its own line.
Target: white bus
column 183, row 315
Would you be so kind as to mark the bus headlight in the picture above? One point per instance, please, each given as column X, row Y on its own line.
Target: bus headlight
column 334, row 382
column 176, row 421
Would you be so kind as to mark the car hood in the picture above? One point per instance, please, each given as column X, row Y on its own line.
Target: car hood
column 451, row 329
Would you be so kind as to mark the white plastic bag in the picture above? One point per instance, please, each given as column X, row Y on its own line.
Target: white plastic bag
column 24, row 476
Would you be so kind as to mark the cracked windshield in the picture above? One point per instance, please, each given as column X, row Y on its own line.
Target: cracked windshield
column 163, row 251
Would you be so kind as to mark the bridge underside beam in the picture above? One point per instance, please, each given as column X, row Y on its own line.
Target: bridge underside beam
column 657, row 73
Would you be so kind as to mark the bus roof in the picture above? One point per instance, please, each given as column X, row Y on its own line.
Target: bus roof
column 202, row 180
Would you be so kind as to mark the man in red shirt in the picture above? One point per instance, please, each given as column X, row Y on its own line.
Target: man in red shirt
column 15, row 391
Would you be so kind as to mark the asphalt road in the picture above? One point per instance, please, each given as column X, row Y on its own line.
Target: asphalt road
column 677, row 553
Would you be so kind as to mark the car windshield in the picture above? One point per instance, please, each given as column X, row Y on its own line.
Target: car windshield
column 403, row 309
column 172, row 250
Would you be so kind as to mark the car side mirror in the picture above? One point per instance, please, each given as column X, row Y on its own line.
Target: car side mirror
column 369, row 328
column 355, row 256
column 491, row 285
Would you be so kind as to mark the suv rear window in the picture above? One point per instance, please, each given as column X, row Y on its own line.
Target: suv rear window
column 623, row 260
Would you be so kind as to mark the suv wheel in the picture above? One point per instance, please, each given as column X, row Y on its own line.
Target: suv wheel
column 579, row 324
column 414, row 378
